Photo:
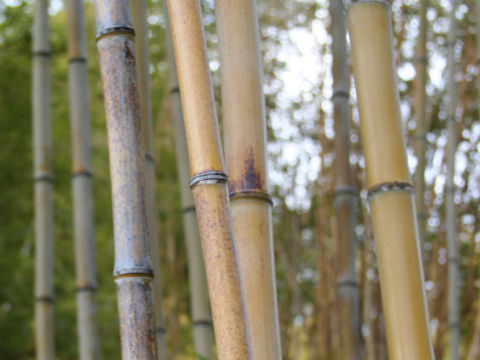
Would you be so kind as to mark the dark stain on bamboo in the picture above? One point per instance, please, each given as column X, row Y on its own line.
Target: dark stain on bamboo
column 251, row 179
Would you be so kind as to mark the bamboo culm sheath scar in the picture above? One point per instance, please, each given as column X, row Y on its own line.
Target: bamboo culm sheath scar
column 133, row 270
column 390, row 192
column 82, row 184
column 209, row 182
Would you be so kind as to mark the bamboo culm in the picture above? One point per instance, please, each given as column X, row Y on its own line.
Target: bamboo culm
column 245, row 153
column 200, row 303
column 139, row 20
column 209, row 182
column 388, row 179
column 345, row 200
column 133, row 269
column 82, row 184
column 43, row 185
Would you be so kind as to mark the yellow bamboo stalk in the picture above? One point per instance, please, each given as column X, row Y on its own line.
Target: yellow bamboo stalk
column 245, row 153
column 209, row 182
column 43, row 183
column 390, row 192
column 200, row 303
column 82, row 184
column 139, row 20
column 345, row 195
column 133, row 270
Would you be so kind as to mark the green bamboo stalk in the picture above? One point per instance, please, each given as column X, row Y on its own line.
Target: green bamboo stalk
column 453, row 256
column 209, row 182
column 43, row 184
column 345, row 199
column 133, row 270
column 200, row 303
column 245, row 153
column 139, row 17
column 82, row 184
column 388, row 179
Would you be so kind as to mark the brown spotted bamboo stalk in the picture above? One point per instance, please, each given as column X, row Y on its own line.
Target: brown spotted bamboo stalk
column 453, row 256
column 345, row 195
column 200, row 303
column 43, row 184
column 133, row 270
column 245, row 154
column 82, row 184
column 388, row 179
column 139, row 20
column 421, row 119
column 209, row 182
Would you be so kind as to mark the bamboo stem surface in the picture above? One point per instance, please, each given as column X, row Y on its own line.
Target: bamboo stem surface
column 390, row 193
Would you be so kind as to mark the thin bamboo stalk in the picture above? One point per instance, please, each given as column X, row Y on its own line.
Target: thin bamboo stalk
column 209, row 182
column 43, row 184
column 139, row 20
column 345, row 199
column 390, row 192
column 245, row 153
column 200, row 303
column 421, row 64
column 133, row 270
column 82, row 184
column 453, row 256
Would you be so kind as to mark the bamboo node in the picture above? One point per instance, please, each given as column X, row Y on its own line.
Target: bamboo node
column 345, row 191
column 43, row 178
column 41, row 53
column 188, row 209
column 133, row 272
column 389, row 187
column 340, row 93
column 149, row 157
column 47, row 299
column 174, row 90
column 208, row 177
column 204, row 322
column 126, row 28
column 77, row 59
column 85, row 173
column 347, row 283
column 245, row 194
column 161, row 330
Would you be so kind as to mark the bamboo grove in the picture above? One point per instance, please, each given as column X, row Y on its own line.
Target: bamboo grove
column 265, row 179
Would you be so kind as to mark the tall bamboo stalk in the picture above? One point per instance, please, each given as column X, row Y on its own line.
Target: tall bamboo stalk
column 453, row 256
column 421, row 118
column 345, row 194
column 245, row 152
column 390, row 192
column 200, row 303
column 43, row 184
column 139, row 20
column 209, row 182
column 133, row 270
column 82, row 184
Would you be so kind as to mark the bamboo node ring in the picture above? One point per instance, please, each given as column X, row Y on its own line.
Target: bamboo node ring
column 41, row 53
column 114, row 29
column 148, row 272
column 149, row 157
column 188, row 209
column 389, row 187
column 44, row 177
column 161, row 330
column 208, row 177
column 204, row 322
column 346, row 191
column 347, row 283
column 340, row 93
column 85, row 173
column 77, row 59
column 255, row 194
column 47, row 299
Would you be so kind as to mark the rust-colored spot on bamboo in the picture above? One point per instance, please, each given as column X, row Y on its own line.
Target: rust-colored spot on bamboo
column 251, row 178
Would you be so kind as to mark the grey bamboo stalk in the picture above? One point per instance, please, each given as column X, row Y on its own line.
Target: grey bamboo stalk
column 345, row 195
column 388, row 179
column 82, row 184
column 245, row 153
column 453, row 256
column 200, row 303
column 133, row 270
column 43, row 184
column 421, row 119
column 209, row 182
column 139, row 19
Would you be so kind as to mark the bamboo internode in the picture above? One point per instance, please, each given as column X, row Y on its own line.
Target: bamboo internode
column 209, row 182
column 133, row 270
column 139, row 19
column 82, row 184
column 245, row 152
column 200, row 303
column 345, row 200
column 391, row 199
column 43, row 178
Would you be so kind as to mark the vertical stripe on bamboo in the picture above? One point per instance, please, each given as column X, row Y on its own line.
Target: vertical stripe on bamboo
column 139, row 19
column 43, row 184
column 82, row 184
column 133, row 270
column 208, row 182
column 391, row 199
column 245, row 153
